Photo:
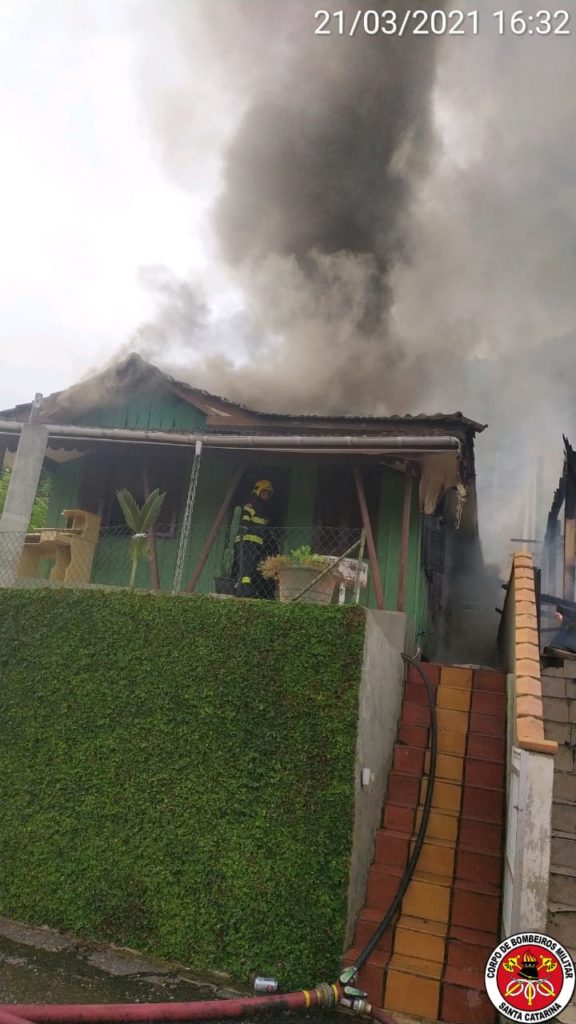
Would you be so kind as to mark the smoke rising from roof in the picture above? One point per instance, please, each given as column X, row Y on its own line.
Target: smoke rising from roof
column 398, row 214
column 332, row 136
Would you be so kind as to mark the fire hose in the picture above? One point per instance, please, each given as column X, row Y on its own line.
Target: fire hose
column 341, row 993
column 324, row 995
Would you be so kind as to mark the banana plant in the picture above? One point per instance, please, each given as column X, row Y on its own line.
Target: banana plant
column 140, row 520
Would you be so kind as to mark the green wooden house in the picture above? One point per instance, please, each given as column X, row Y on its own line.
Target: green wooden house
column 406, row 481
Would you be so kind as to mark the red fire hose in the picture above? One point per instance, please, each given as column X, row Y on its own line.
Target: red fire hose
column 205, row 1010
column 323, row 995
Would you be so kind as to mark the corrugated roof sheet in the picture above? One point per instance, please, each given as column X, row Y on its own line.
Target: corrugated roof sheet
column 135, row 364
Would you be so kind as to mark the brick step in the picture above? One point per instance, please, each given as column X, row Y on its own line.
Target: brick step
column 450, row 767
column 393, row 849
column 456, row 698
column 467, row 801
column 481, row 748
column 463, row 1000
column 366, row 924
column 564, row 817
column 420, row 938
column 562, row 923
column 424, row 968
column 562, row 886
column 459, row 676
column 469, row 948
column 412, row 935
column 477, row 835
column 455, row 721
column 416, row 761
column 431, row 894
column 413, row 986
column 476, row 802
column 439, row 855
column 563, row 851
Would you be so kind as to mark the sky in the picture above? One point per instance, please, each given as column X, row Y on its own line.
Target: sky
column 298, row 221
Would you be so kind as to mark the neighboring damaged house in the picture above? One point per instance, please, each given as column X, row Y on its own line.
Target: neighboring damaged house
column 407, row 481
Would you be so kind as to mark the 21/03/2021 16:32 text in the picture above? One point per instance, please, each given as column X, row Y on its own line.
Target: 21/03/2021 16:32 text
column 419, row 22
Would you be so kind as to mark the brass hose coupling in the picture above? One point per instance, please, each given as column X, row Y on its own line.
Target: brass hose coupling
column 327, row 995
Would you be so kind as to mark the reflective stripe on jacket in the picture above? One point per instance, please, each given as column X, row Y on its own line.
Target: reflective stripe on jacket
column 252, row 522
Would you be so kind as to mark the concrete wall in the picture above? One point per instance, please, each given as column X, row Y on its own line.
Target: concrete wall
column 20, row 497
column 380, row 701
column 528, row 839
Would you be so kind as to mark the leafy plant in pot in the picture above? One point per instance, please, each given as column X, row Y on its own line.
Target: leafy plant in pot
column 224, row 583
column 140, row 520
column 297, row 570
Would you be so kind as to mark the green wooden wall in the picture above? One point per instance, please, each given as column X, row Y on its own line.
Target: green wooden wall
column 148, row 411
column 164, row 412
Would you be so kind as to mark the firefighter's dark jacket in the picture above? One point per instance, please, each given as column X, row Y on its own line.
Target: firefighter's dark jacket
column 253, row 521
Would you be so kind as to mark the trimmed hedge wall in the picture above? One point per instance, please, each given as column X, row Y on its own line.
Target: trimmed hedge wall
column 177, row 774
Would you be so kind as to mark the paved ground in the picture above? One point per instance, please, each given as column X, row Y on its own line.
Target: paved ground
column 38, row 965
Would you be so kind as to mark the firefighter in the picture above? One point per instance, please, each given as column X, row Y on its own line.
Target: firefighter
column 249, row 542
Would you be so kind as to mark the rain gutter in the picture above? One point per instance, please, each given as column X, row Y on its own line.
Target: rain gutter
column 409, row 444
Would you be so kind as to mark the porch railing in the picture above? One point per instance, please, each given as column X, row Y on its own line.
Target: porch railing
column 55, row 557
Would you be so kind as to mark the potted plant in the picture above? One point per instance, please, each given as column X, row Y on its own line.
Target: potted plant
column 224, row 583
column 297, row 570
column 140, row 521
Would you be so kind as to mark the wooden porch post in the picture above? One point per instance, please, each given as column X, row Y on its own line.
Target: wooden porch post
column 569, row 532
column 378, row 592
column 405, row 539
column 152, row 551
column 238, row 474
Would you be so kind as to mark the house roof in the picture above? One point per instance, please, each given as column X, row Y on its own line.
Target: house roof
column 115, row 385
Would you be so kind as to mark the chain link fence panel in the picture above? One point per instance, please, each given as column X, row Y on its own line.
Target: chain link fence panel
column 284, row 564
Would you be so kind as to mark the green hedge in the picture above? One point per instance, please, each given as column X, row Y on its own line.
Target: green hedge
column 177, row 774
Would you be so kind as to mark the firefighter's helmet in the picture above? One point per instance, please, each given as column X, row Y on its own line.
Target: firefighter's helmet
column 263, row 485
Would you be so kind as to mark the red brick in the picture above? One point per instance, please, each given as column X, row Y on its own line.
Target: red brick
column 399, row 819
column 483, row 804
column 467, row 954
column 415, row 714
column 468, row 977
column 488, row 703
column 416, row 693
column 365, row 929
column 479, row 908
column 404, row 789
column 480, row 835
column 413, row 736
column 381, row 889
column 391, row 848
column 487, row 725
column 409, row 760
column 481, row 867
column 488, row 748
column 466, row 1006
column 472, row 936
column 487, row 679
column 431, row 670
column 484, row 773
